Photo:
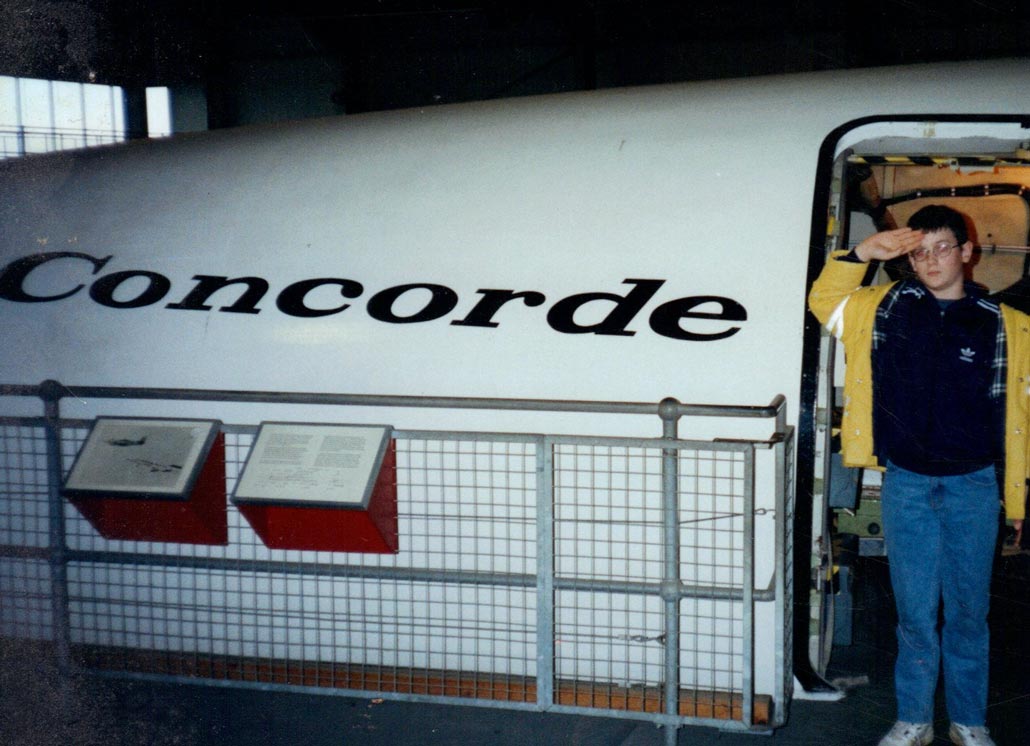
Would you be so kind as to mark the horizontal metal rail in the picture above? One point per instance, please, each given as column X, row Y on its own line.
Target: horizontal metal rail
column 417, row 575
column 666, row 409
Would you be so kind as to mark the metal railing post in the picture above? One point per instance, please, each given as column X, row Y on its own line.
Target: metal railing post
column 50, row 393
column 545, row 633
column 784, row 674
column 669, row 411
column 748, row 601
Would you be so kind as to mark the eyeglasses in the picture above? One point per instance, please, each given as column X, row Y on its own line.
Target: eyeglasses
column 939, row 251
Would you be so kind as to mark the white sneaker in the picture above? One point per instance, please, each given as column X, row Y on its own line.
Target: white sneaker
column 966, row 735
column 911, row 734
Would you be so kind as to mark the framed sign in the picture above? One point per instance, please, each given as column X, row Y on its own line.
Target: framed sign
column 137, row 457
column 314, row 465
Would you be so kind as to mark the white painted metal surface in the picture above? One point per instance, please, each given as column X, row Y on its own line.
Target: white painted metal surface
column 705, row 187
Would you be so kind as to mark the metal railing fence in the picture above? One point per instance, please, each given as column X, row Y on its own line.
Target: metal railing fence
column 16, row 142
column 594, row 575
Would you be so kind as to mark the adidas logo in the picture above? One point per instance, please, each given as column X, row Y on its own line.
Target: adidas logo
column 966, row 354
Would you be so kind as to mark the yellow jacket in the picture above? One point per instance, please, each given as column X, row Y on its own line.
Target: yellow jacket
column 848, row 310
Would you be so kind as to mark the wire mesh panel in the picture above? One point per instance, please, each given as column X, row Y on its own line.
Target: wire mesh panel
column 452, row 613
column 711, row 488
column 711, row 519
column 607, row 513
column 24, row 520
column 607, row 528
column 25, row 587
column 611, row 639
column 470, row 505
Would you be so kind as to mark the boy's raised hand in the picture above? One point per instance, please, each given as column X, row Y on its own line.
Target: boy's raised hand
column 889, row 244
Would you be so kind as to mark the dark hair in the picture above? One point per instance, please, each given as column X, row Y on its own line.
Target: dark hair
column 937, row 217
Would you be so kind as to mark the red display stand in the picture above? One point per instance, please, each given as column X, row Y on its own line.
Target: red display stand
column 197, row 515
column 321, row 487
column 333, row 529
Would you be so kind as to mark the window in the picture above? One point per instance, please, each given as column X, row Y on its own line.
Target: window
column 40, row 116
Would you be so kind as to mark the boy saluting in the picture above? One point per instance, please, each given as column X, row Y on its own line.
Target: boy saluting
column 937, row 392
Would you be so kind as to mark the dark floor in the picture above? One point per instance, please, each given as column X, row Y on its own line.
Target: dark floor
column 120, row 713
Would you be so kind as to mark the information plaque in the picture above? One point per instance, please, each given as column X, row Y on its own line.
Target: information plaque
column 152, row 479
column 325, row 487
column 133, row 457
column 327, row 465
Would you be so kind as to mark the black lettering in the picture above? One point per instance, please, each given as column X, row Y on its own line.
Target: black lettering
column 208, row 285
column 291, row 299
column 666, row 318
column 103, row 290
column 12, row 279
column 560, row 317
column 483, row 312
column 441, row 303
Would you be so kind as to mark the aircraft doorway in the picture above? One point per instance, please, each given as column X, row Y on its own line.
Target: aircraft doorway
column 883, row 173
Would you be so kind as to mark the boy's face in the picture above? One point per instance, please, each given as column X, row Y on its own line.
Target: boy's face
column 942, row 273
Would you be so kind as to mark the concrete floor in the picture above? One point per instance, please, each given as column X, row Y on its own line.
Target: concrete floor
column 110, row 712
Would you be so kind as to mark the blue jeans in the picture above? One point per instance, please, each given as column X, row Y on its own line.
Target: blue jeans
column 940, row 534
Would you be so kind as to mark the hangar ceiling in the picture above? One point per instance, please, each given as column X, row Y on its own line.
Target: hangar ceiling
column 383, row 54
